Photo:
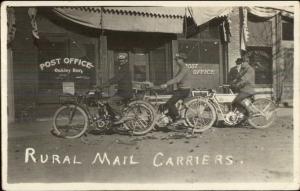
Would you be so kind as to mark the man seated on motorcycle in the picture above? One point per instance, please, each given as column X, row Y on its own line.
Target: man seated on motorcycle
column 124, row 92
column 182, row 79
column 234, row 72
column 244, row 83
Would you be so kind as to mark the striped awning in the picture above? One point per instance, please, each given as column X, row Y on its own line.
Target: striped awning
column 140, row 19
column 271, row 11
column 170, row 12
column 202, row 15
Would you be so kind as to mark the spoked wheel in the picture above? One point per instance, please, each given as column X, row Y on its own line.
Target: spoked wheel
column 200, row 114
column 141, row 117
column 266, row 113
column 70, row 121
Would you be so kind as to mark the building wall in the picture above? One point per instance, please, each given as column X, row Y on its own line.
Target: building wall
column 262, row 34
column 234, row 44
column 26, row 51
column 24, row 61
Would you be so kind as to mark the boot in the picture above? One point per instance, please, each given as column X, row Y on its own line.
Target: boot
column 246, row 103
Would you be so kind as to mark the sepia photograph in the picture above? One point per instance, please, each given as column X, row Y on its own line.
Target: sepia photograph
column 149, row 95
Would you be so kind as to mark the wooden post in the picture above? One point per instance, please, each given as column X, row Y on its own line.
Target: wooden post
column 175, row 67
column 277, row 60
column 10, row 87
column 102, row 68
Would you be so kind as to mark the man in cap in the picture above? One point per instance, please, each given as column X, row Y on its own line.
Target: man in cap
column 244, row 82
column 183, row 81
column 124, row 92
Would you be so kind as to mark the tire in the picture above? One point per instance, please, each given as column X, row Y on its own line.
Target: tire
column 65, row 128
column 140, row 111
column 269, row 108
column 195, row 105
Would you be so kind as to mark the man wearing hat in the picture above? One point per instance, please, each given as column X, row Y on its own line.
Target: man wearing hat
column 183, row 81
column 234, row 72
column 244, row 82
column 124, row 83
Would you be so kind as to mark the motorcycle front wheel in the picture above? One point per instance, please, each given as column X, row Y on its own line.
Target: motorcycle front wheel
column 266, row 113
column 200, row 114
column 141, row 117
column 70, row 121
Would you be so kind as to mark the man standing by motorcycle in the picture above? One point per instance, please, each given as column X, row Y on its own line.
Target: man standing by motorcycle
column 244, row 82
column 183, row 81
column 124, row 82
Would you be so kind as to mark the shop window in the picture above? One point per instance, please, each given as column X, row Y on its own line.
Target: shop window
column 140, row 66
column 288, row 64
column 191, row 48
column 209, row 30
column 207, row 52
column 287, row 31
column 158, row 65
column 260, row 31
column 139, row 73
column 65, row 66
column 48, row 78
column 261, row 61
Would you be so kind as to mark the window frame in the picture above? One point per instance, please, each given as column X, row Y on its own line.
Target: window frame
column 264, row 85
column 204, row 40
column 286, row 20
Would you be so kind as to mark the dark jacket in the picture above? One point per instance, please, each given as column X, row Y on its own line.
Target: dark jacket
column 182, row 78
column 232, row 76
column 246, row 80
column 123, row 80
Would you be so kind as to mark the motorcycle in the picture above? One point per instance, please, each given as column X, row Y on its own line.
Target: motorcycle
column 196, row 113
column 264, row 109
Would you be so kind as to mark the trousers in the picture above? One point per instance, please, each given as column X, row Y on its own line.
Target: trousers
column 177, row 95
column 116, row 104
column 239, row 99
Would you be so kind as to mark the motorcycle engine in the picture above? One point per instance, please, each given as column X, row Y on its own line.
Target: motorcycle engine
column 230, row 118
column 233, row 117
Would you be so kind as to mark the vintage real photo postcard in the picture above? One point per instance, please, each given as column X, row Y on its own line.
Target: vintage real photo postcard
column 149, row 95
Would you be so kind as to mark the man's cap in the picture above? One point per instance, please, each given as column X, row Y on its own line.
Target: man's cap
column 239, row 60
column 181, row 55
column 122, row 56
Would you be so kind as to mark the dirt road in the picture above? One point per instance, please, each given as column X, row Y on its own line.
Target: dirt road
column 217, row 155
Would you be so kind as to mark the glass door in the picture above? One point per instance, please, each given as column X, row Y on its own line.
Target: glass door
column 139, row 63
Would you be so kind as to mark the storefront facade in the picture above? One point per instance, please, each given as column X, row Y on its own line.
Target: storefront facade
column 69, row 57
